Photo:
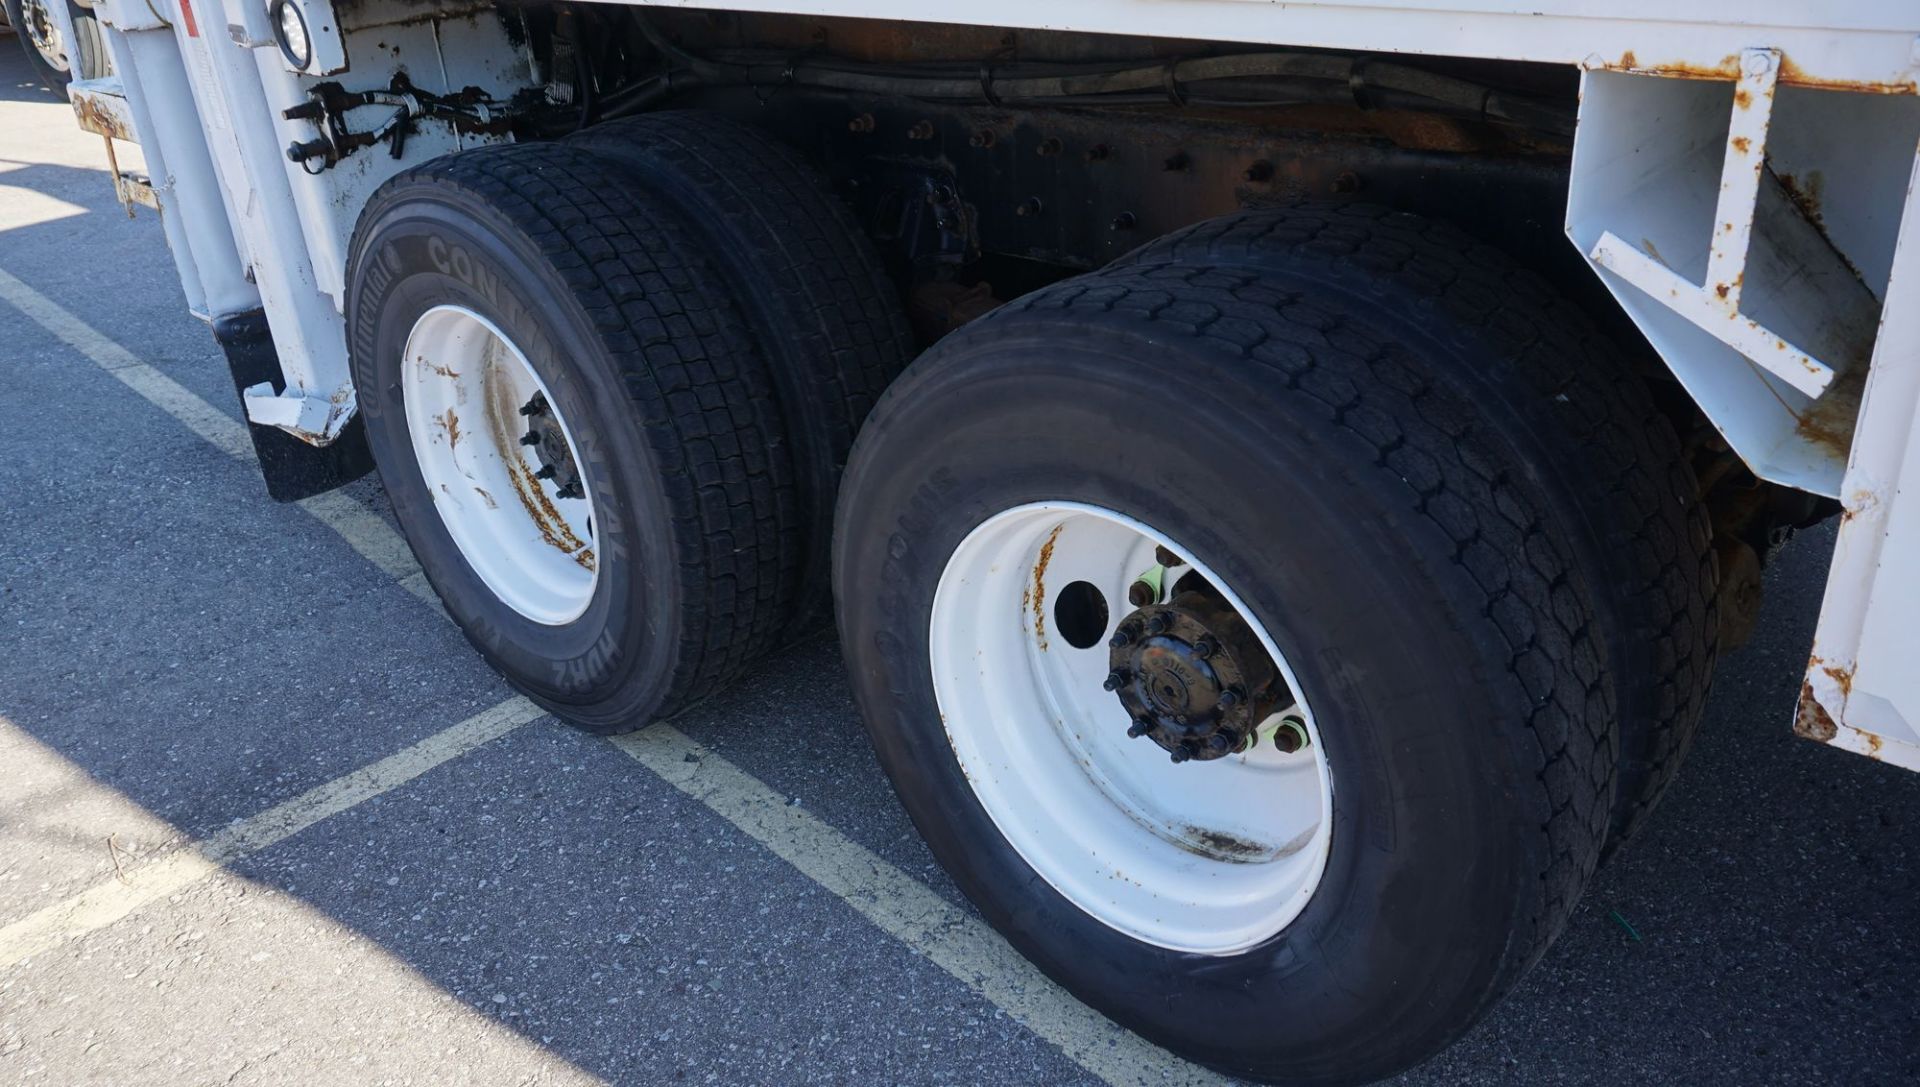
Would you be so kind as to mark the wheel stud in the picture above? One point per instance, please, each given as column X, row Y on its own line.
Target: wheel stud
column 546, row 472
column 1219, row 743
column 1157, row 624
column 1181, row 753
column 1120, row 638
column 529, row 438
column 1205, row 648
column 1116, row 679
column 1140, row 727
column 1229, row 698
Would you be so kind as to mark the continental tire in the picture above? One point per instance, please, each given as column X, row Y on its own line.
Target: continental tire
column 1382, row 540
column 1502, row 337
column 578, row 436
column 808, row 282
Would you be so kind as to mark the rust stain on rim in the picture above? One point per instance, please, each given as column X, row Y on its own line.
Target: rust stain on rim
column 553, row 527
column 1038, row 594
column 540, row 509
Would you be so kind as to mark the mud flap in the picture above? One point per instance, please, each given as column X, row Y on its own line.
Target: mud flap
column 292, row 468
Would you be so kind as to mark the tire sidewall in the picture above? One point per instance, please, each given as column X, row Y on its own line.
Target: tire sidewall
column 1411, row 926
column 425, row 246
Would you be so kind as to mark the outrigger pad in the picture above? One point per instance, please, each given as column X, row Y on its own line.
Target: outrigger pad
column 292, row 468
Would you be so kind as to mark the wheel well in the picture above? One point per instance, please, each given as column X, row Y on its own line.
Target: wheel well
column 977, row 189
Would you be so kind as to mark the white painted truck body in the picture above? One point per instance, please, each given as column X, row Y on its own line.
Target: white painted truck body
column 1798, row 336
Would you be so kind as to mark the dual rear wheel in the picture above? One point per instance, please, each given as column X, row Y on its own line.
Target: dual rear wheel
column 589, row 414
column 1257, row 629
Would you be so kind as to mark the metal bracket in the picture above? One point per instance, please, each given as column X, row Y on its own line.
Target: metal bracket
column 100, row 106
column 316, row 420
column 1715, row 305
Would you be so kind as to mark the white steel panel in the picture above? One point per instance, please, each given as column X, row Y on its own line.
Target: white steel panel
column 1853, row 42
column 1862, row 690
column 238, row 115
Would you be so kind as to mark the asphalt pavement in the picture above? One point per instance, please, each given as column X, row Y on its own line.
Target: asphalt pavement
column 266, row 818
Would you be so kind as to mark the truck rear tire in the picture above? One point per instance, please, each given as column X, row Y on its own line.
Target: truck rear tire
column 579, row 438
column 1317, row 520
column 1503, row 337
column 54, row 59
column 808, row 282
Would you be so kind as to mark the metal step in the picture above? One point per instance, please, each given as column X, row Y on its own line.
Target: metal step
column 101, row 108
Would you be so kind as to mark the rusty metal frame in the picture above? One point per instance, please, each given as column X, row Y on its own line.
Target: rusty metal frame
column 1715, row 305
column 1862, row 692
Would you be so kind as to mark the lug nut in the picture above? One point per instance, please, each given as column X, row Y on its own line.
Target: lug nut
column 545, row 472
column 1181, row 753
column 862, row 123
column 1097, row 152
column 1121, row 637
column 1028, row 208
column 921, row 130
column 1219, row 743
column 1140, row 594
column 1139, row 728
column 1291, row 736
column 1157, row 623
column 1229, row 698
column 1049, row 146
column 1206, row 648
column 982, row 138
column 529, row 438
column 1167, row 558
column 1116, row 679
column 1124, row 221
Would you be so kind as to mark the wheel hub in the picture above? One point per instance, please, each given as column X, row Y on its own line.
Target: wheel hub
column 41, row 31
column 549, row 444
column 1192, row 676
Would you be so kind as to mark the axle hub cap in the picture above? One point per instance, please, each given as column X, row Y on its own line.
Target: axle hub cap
column 1192, row 676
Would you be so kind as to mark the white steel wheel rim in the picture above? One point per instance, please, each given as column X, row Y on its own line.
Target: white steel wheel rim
column 1209, row 857
column 463, row 383
column 44, row 33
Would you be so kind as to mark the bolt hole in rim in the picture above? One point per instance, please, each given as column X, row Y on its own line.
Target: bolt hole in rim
column 466, row 389
column 1207, row 857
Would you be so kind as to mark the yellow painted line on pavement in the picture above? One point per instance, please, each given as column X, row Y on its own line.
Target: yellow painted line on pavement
column 110, row 900
column 955, row 940
column 363, row 530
